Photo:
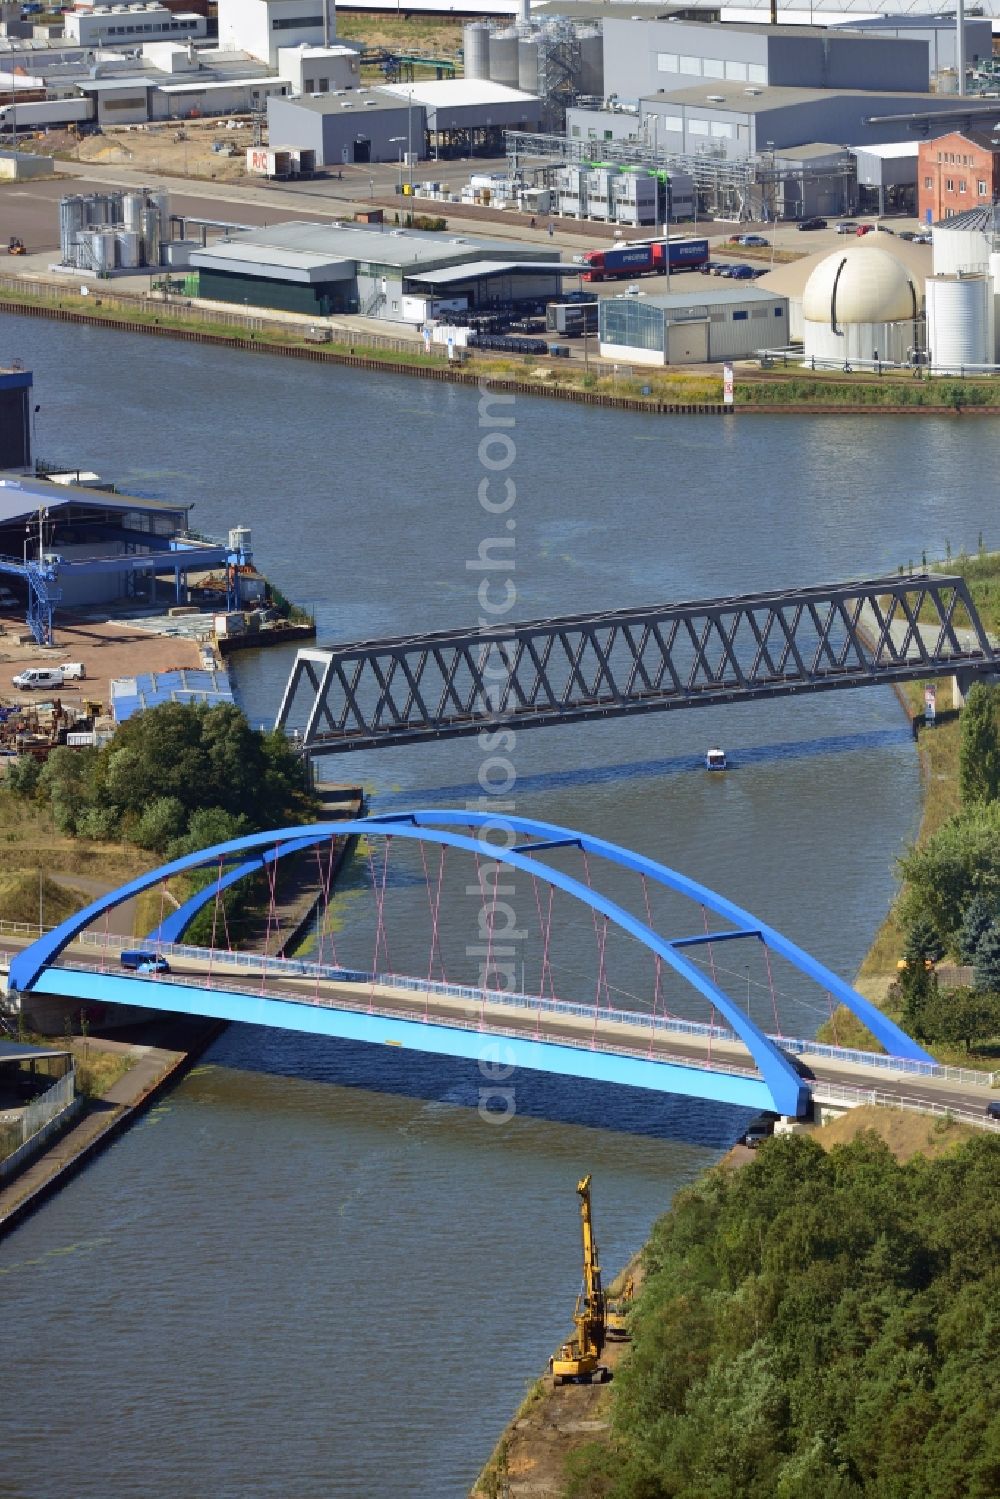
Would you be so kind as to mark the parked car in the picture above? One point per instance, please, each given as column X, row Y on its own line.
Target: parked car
column 993, row 1109
column 884, row 229
column 813, row 223
column 921, row 239
column 720, row 268
column 756, row 240
column 864, row 229
column 761, row 1129
column 741, row 273
column 45, row 678
column 847, row 226
column 906, row 234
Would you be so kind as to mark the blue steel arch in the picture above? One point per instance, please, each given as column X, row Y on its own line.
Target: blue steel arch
column 778, row 1072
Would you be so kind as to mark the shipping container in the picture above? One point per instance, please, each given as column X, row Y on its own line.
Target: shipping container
column 571, row 318
column 262, row 161
column 46, row 112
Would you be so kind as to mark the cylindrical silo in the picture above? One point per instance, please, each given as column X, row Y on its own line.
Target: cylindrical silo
column 476, row 48
column 591, row 62
column 72, row 218
column 129, row 248
column 503, row 58
column 160, row 200
column 150, row 226
column 995, row 278
column 98, row 209
column 132, row 206
column 103, row 241
column 527, row 64
column 959, row 332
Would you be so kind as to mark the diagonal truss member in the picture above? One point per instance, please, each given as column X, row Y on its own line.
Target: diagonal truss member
column 604, row 665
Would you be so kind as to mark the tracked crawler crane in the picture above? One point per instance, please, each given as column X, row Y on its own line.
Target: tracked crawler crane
column 580, row 1358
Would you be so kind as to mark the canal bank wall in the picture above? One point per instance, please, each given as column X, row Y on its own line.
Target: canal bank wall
column 166, row 321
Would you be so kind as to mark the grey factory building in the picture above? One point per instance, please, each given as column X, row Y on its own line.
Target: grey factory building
column 320, row 269
column 642, row 57
column 940, row 32
column 359, row 125
column 736, row 120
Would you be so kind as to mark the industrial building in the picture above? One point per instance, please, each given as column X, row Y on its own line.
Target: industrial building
column 125, row 25
column 319, row 269
column 642, row 58
column 318, row 70
column 261, row 27
column 469, row 116
column 887, row 179
column 63, row 546
column 361, row 126
column 736, row 120
column 958, row 172
column 940, row 33
column 728, row 323
column 15, row 418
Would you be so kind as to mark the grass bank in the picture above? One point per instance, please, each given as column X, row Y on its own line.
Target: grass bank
column 938, row 750
column 781, row 389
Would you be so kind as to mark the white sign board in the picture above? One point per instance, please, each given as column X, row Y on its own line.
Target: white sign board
column 727, row 384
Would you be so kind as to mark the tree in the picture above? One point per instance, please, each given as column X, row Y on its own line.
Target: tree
column 923, row 941
column 979, row 752
column 980, row 914
column 961, row 1017
column 986, row 964
column 960, row 860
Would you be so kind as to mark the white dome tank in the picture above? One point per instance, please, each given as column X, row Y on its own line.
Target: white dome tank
column 959, row 321
column 861, row 285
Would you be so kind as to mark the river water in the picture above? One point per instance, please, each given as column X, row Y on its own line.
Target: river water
column 315, row 1270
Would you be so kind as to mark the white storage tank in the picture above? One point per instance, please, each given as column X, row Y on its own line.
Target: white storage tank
column 161, row 202
column 504, row 57
column 860, row 304
column 150, row 229
column 957, row 249
column 527, row 64
column 959, row 322
column 129, row 249
column 995, row 278
column 72, row 218
column 132, row 206
column 103, row 249
column 476, row 50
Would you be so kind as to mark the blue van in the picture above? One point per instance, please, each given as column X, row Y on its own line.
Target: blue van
column 139, row 960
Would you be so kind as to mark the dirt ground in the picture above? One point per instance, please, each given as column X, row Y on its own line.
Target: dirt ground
column 906, row 1134
column 106, row 649
column 180, row 148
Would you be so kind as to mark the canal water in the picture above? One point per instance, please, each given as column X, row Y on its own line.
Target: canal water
column 315, row 1270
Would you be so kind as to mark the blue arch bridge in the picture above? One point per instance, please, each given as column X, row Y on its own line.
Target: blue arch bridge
column 729, row 1057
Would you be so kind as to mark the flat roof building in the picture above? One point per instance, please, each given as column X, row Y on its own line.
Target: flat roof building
column 679, row 328
column 123, row 26
column 360, row 126
column 736, row 120
column 641, row 57
column 319, row 269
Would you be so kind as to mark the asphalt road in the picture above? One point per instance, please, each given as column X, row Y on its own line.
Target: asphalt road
column 947, row 1093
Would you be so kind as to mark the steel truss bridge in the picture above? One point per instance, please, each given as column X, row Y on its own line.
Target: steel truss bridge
column 732, row 1060
column 411, row 689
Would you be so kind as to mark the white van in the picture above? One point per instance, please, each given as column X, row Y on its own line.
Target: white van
column 73, row 671
column 46, row 678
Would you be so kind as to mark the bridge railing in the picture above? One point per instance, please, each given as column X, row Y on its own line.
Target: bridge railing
column 854, row 1097
column 459, row 1022
column 303, row 968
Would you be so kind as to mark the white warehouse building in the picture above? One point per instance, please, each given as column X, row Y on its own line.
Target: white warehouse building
column 678, row 328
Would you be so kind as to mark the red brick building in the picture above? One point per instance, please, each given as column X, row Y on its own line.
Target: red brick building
column 957, row 172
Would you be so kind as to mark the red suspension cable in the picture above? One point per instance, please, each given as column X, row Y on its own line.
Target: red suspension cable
column 774, row 1000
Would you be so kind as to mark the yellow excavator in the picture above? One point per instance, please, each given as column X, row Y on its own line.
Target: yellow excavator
column 580, row 1359
column 616, row 1313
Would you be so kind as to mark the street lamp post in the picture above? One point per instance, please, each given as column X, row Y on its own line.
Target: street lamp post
column 397, row 140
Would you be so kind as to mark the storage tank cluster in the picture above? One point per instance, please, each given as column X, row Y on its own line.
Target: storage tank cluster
column 538, row 57
column 120, row 230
